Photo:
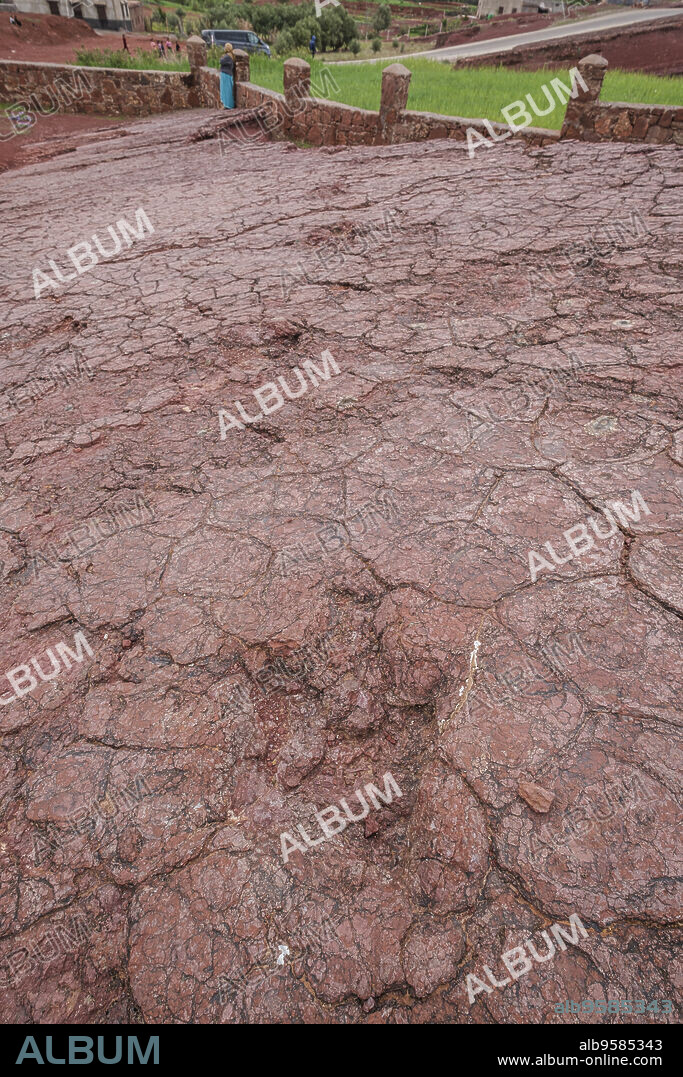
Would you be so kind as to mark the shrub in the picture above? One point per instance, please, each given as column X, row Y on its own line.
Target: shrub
column 354, row 46
column 284, row 43
column 376, row 44
column 394, row 44
column 141, row 61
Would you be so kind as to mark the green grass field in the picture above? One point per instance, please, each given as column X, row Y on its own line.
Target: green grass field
column 472, row 92
column 479, row 93
column 140, row 61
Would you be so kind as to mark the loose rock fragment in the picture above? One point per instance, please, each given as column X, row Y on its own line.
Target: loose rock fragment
column 536, row 796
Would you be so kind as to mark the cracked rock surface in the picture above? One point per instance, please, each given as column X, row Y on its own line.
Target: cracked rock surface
column 531, row 725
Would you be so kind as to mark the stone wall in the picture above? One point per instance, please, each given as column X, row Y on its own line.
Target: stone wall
column 655, row 46
column 103, row 91
column 206, row 79
column 591, row 120
column 320, row 123
column 297, row 115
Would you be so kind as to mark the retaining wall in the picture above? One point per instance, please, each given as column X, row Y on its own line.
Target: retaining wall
column 656, row 47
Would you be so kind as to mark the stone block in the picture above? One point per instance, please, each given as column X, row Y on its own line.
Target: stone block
column 623, row 127
column 603, row 123
column 640, row 126
column 657, row 135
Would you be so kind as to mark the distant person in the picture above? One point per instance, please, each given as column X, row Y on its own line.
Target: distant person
column 160, row 46
column 227, row 66
column 125, row 44
column 14, row 21
column 177, row 47
column 313, row 46
column 169, row 46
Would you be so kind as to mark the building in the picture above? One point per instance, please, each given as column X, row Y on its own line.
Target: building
column 102, row 14
column 138, row 14
column 514, row 7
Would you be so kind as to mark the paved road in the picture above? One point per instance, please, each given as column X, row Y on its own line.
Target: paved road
column 552, row 33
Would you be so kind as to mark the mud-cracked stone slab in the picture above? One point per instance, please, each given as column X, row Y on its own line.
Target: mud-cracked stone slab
column 341, row 590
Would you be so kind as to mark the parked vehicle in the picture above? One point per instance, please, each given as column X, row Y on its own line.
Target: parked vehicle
column 239, row 39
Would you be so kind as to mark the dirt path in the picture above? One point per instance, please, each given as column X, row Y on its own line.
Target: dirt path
column 51, row 40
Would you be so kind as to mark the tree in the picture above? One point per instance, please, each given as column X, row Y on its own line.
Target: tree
column 337, row 27
column 381, row 20
column 267, row 19
column 302, row 30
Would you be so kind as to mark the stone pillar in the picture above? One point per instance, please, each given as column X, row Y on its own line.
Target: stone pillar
column 196, row 54
column 296, row 76
column 592, row 70
column 241, row 66
column 395, row 86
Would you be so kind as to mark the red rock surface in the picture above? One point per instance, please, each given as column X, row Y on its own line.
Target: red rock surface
column 51, row 136
column 168, row 897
